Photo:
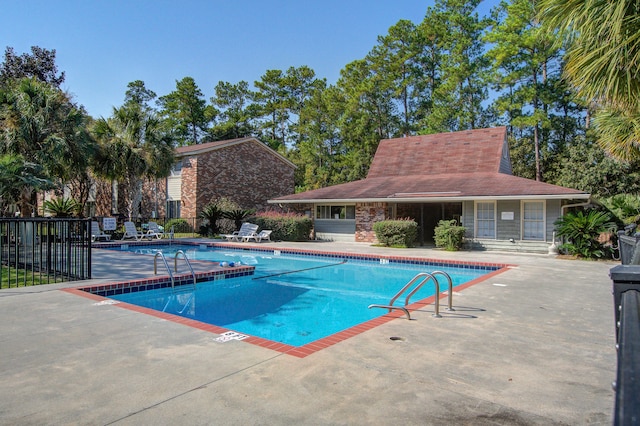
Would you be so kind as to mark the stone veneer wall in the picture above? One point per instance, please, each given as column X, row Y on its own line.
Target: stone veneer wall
column 366, row 215
column 246, row 173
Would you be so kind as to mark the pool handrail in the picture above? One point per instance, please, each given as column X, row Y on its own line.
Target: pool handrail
column 390, row 307
column 175, row 265
column 155, row 267
column 450, row 283
column 428, row 277
column 425, row 276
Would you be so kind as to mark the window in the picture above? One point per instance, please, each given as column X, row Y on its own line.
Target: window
column 486, row 220
column 533, row 220
column 173, row 209
column 336, row 212
column 176, row 170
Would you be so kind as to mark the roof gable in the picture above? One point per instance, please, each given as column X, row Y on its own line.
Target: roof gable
column 471, row 151
column 191, row 150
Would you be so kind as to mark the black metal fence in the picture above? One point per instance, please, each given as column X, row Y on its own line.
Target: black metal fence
column 44, row 250
column 626, row 302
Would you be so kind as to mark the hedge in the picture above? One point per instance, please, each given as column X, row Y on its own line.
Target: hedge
column 285, row 227
column 396, row 233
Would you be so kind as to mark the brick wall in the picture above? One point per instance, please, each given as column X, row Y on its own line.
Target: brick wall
column 366, row 215
column 154, row 197
column 189, row 187
column 246, row 173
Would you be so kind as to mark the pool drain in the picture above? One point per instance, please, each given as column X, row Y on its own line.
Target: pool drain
column 396, row 338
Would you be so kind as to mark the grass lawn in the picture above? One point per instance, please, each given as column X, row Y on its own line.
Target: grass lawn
column 21, row 278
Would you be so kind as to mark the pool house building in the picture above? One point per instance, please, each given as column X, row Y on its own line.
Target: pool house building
column 466, row 176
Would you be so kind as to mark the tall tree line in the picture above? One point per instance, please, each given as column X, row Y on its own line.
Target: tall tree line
column 454, row 70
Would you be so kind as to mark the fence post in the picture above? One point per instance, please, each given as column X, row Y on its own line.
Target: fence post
column 627, row 245
column 626, row 303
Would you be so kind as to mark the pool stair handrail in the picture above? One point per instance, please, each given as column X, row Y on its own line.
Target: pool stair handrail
column 450, row 290
column 175, row 265
column 155, row 267
column 390, row 307
column 421, row 278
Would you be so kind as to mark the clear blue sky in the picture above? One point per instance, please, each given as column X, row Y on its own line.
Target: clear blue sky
column 104, row 45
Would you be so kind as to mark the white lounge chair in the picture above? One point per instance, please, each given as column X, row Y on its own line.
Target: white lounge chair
column 246, row 230
column 154, row 231
column 130, row 231
column 262, row 235
column 97, row 234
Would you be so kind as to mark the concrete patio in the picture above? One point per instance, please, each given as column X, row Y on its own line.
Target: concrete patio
column 531, row 346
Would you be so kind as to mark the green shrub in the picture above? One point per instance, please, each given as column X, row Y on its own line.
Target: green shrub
column 583, row 231
column 449, row 235
column 211, row 213
column 238, row 215
column 285, row 226
column 62, row 207
column 396, row 233
column 179, row 226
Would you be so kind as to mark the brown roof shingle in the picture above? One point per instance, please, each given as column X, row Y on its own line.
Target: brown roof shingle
column 431, row 187
column 464, row 165
column 469, row 151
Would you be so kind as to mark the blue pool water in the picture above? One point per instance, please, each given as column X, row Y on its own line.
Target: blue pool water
column 291, row 299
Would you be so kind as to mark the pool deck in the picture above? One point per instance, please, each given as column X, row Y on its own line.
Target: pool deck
column 530, row 346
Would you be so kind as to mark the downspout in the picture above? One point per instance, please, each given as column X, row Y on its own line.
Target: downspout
column 563, row 209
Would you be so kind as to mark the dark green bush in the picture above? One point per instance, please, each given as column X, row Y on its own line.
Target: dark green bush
column 62, row 207
column 285, row 226
column 582, row 230
column 179, row 226
column 449, row 235
column 396, row 233
column 211, row 213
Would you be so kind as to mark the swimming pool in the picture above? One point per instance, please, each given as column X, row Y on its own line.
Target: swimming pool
column 292, row 298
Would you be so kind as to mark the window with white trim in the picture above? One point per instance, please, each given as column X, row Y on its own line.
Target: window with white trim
column 336, row 212
column 486, row 220
column 533, row 220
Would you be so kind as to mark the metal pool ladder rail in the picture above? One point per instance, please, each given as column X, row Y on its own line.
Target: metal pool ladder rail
column 184, row 256
column 423, row 278
column 175, row 266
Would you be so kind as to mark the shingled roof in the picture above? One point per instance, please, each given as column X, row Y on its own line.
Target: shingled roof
column 455, row 166
column 189, row 150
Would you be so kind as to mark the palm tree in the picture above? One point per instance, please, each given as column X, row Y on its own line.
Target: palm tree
column 17, row 178
column 41, row 124
column 603, row 64
column 238, row 215
column 132, row 147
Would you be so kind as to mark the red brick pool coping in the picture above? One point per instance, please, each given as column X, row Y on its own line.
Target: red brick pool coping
column 309, row 348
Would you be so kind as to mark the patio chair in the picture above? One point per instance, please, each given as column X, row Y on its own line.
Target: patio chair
column 246, row 230
column 97, row 234
column 153, row 230
column 130, row 231
column 262, row 235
